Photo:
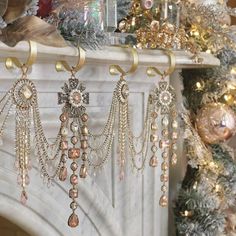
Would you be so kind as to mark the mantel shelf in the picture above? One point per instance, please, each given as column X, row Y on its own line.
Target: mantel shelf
column 108, row 55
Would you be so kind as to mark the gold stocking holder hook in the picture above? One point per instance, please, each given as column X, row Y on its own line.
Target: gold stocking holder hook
column 12, row 62
column 153, row 71
column 63, row 65
column 116, row 69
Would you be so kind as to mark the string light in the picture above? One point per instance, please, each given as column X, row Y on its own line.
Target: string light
column 195, row 185
column 200, row 86
column 229, row 98
column 186, row 213
column 217, row 188
column 233, row 71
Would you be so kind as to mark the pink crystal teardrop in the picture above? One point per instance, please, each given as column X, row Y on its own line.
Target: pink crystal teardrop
column 163, row 201
column 29, row 166
column 16, row 165
column 153, row 161
column 74, row 179
column 63, row 173
column 73, row 220
column 122, row 175
column 23, row 197
column 27, row 180
column 19, row 180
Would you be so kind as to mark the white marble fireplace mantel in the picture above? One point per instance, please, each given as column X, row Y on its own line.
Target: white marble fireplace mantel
column 109, row 55
column 107, row 207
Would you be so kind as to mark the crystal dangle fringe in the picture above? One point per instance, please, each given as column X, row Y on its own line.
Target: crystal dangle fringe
column 100, row 144
column 119, row 111
column 163, row 99
column 138, row 145
column 74, row 117
column 23, row 97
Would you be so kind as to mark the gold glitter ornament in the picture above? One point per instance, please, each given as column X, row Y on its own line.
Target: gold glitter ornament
column 216, row 122
column 229, row 98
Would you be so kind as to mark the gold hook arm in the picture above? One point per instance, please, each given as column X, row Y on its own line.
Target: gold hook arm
column 116, row 69
column 152, row 71
column 63, row 65
column 13, row 61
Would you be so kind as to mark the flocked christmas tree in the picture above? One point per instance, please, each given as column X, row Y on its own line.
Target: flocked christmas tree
column 205, row 205
column 207, row 197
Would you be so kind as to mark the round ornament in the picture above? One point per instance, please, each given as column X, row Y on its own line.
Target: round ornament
column 216, row 122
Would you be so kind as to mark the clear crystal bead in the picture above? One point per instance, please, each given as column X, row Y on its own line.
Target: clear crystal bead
column 165, row 121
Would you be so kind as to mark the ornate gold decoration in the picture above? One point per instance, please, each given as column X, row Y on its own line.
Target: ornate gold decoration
column 24, row 94
column 163, row 100
column 73, row 117
column 164, row 35
column 202, row 27
column 100, row 144
column 206, row 25
column 23, row 97
column 122, row 93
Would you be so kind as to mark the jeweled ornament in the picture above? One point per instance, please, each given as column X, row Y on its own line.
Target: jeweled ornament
column 24, row 94
column 165, row 97
column 163, row 103
column 100, row 145
column 73, row 97
column 22, row 98
column 127, row 140
column 74, row 118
